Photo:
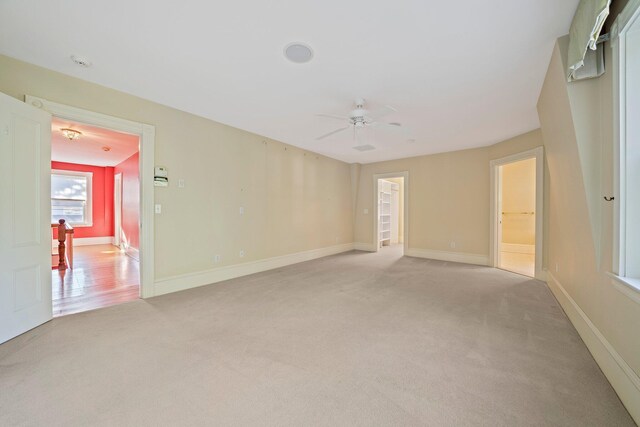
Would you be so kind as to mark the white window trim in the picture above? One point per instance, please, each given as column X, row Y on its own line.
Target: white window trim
column 630, row 286
column 88, row 217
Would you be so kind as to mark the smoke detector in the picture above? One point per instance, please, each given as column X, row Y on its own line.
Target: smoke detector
column 298, row 52
column 81, row 61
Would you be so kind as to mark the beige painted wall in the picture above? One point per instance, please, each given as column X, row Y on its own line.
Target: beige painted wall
column 577, row 128
column 294, row 200
column 448, row 196
column 518, row 199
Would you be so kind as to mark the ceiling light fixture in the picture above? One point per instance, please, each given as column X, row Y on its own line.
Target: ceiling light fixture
column 71, row 134
column 298, row 52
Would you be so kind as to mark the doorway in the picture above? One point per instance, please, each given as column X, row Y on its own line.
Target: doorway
column 94, row 176
column 117, row 210
column 27, row 140
column 390, row 232
column 517, row 213
column 145, row 197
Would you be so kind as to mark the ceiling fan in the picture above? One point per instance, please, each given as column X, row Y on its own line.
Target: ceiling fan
column 361, row 118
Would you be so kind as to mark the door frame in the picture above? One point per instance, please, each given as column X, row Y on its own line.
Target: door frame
column 117, row 209
column 376, row 177
column 495, row 202
column 146, row 133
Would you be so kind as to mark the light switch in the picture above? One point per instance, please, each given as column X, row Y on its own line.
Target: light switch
column 241, row 210
column 158, row 209
column 181, row 183
column 366, row 211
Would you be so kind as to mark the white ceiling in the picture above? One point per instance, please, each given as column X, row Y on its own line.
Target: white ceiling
column 88, row 149
column 461, row 74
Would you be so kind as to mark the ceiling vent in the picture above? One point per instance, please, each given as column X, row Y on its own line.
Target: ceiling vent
column 366, row 147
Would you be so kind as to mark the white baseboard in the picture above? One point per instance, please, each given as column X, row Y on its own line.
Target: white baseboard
column 517, row 248
column 88, row 241
column 466, row 258
column 367, row 247
column 621, row 376
column 201, row 278
column 133, row 253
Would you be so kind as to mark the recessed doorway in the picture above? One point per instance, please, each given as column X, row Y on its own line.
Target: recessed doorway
column 95, row 191
column 390, row 213
column 517, row 213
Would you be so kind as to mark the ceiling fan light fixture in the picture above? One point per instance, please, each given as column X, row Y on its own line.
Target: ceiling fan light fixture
column 297, row 52
column 71, row 134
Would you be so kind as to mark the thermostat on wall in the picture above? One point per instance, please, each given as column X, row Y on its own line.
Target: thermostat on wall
column 161, row 177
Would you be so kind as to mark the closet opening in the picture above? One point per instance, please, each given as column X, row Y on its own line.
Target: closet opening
column 390, row 234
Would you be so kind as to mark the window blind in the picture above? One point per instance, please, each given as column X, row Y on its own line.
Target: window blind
column 585, row 30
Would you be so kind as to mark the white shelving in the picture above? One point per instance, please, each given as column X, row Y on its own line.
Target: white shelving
column 385, row 213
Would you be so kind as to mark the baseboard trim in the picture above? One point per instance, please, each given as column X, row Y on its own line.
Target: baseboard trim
column 621, row 376
column 207, row 277
column 88, row 241
column 367, row 247
column 463, row 257
column 133, row 253
column 517, row 248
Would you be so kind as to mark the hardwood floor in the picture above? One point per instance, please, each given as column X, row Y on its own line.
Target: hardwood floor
column 518, row 263
column 102, row 276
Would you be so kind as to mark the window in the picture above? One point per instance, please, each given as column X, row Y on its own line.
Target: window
column 627, row 91
column 71, row 197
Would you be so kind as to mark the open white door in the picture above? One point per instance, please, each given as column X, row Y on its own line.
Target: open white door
column 499, row 218
column 117, row 210
column 25, row 215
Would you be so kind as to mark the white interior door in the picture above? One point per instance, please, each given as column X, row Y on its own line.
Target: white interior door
column 25, row 217
column 500, row 216
column 395, row 213
column 117, row 209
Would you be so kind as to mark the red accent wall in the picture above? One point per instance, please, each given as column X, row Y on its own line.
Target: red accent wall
column 130, row 199
column 102, row 193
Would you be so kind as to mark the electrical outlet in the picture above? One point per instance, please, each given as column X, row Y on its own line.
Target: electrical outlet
column 337, row 239
column 366, row 211
column 216, row 259
column 452, row 244
column 241, row 210
column 181, row 183
column 241, row 254
column 158, row 208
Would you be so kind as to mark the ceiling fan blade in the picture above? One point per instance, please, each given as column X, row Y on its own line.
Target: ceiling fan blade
column 331, row 133
column 331, row 116
column 378, row 114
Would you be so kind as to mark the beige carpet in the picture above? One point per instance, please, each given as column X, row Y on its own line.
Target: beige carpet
column 354, row 339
